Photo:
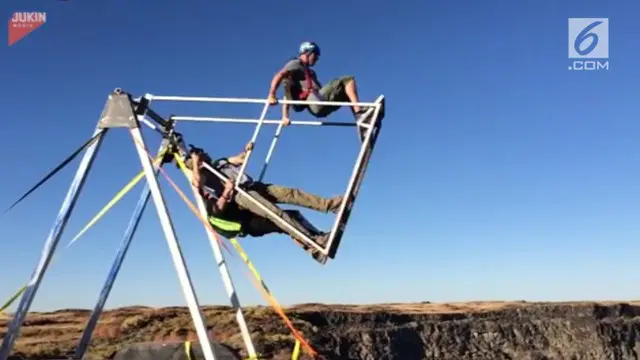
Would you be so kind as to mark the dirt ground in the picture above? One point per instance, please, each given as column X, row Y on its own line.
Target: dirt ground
column 56, row 333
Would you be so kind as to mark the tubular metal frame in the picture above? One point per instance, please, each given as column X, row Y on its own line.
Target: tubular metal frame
column 50, row 244
column 120, row 256
column 357, row 174
column 85, row 340
column 116, row 116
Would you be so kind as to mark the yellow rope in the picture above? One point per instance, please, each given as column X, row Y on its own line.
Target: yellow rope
column 93, row 221
column 261, row 286
column 296, row 351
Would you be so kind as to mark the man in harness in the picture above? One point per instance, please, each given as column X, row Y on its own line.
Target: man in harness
column 224, row 203
column 301, row 83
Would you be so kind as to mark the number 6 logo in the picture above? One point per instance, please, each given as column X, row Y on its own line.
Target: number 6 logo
column 584, row 35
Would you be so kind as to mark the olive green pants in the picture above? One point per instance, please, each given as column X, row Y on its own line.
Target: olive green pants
column 257, row 226
column 269, row 195
column 332, row 91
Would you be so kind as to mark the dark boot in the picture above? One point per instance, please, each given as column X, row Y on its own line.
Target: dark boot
column 319, row 257
column 321, row 240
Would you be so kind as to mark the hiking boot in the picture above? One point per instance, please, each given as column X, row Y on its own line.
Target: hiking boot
column 319, row 257
column 321, row 239
column 364, row 115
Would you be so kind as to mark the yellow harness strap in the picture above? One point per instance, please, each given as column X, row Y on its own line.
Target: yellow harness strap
column 187, row 349
column 296, row 351
column 225, row 225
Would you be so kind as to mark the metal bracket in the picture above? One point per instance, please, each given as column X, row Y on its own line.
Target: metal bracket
column 118, row 111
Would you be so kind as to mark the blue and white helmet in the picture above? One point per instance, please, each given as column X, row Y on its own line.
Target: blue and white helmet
column 309, row 47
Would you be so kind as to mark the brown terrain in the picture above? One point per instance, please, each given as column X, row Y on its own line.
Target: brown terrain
column 456, row 331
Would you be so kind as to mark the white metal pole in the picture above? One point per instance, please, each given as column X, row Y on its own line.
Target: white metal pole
column 255, row 121
column 149, row 123
column 354, row 175
column 256, row 101
column 50, row 244
column 226, row 277
column 174, row 246
column 253, row 142
column 274, row 141
column 83, row 344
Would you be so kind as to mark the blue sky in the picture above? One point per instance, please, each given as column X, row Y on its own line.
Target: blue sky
column 499, row 173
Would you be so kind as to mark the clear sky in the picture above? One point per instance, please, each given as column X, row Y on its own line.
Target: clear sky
column 499, row 173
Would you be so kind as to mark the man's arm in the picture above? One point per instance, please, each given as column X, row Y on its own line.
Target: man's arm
column 285, row 113
column 275, row 82
column 315, row 79
column 277, row 79
column 195, row 170
column 239, row 159
column 222, row 201
column 287, row 69
column 291, row 66
column 225, row 197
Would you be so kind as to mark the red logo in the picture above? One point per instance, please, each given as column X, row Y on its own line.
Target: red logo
column 22, row 24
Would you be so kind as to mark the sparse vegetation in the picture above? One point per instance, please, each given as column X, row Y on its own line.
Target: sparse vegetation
column 329, row 328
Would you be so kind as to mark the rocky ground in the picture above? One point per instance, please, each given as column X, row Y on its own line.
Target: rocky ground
column 481, row 330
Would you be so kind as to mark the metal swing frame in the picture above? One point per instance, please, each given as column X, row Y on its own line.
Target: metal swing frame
column 122, row 111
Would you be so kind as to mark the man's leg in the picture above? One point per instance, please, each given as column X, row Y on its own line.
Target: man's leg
column 257, row 226
column 342, row 89
column 351, row 92
column 246, row 204
column 286, row 195
column 332, row 91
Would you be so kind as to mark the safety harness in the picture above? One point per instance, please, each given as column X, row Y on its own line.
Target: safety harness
column 308, row 81
column 226, row 228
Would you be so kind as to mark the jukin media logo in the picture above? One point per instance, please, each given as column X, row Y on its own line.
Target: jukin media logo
column 22, row 24
column 589, row 44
